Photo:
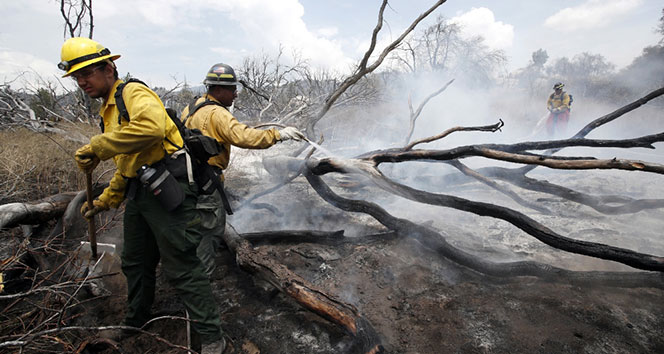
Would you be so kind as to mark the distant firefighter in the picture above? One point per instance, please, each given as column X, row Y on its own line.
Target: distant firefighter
column 558, row 105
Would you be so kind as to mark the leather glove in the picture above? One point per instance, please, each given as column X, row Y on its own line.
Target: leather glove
column 86, row 158
column 291, row 133
column 97, row 207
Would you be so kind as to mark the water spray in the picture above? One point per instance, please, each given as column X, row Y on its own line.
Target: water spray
column 325, row 151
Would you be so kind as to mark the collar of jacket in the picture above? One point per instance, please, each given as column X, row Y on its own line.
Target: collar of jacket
column 210, row 98
column 110, row 100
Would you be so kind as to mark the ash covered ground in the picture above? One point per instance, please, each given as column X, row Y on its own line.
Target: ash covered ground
column 419, row 302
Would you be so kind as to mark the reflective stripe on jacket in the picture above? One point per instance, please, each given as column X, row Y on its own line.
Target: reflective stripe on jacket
column 133, row 143
column 217, row 122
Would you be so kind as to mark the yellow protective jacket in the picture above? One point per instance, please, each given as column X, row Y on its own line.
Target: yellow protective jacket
column 558, row 103
column 217, row 122
column 133, row 143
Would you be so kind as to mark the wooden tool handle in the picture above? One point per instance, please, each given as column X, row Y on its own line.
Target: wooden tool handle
column 91, row 221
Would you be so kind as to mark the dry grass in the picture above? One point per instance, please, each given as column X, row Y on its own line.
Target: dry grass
column 35, row 165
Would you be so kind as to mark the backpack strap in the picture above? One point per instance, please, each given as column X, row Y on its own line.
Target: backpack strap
column 119, row 101
column 193, row 107
column 123, row 113
column 174, row 117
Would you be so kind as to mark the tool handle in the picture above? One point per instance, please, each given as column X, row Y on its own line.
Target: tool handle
column 91, row 221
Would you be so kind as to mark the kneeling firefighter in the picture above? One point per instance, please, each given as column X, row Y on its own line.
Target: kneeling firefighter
column 160, row 220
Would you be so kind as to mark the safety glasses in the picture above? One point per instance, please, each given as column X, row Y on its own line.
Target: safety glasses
column 84, row 73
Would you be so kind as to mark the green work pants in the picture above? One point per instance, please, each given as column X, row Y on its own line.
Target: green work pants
column 213, row 223
column 151, row 233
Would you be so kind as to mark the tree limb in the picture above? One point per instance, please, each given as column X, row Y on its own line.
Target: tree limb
column 436, row 242
column 522, row 221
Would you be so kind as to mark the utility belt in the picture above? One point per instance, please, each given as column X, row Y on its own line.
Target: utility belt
column 162, row 180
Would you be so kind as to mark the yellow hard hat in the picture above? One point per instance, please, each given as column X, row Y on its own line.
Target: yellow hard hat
column 79, row 52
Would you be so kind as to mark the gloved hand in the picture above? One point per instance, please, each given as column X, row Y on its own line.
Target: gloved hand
column 291, row 133
column 97, row 207
column 86, row 158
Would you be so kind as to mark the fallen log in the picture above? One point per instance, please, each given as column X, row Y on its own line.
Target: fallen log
column 332, row 238
column 522, row 221
column 294, row 236
column 15, row 214
column 346, row 316
column 436, row 241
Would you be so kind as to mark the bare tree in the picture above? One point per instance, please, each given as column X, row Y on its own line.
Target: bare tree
column 77, row 15
column 533, row 76
column 660, row 28
column 273, row 87
column 584, row 72
column 442, row 48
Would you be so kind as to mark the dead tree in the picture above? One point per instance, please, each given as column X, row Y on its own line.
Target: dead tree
column 75, row 13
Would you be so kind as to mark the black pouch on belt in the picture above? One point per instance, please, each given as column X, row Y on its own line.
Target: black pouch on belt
column 162, row 184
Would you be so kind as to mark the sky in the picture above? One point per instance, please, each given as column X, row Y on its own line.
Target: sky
column 168, row 41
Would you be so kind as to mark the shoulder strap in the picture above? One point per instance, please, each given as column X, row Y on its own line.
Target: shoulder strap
column 193, row 107
column 173, row 115
column 119, row 101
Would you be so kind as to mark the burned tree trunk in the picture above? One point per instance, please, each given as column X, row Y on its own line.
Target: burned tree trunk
column 344, row 315
column 14, row 214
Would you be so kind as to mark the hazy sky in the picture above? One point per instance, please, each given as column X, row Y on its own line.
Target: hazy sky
column 167, row 39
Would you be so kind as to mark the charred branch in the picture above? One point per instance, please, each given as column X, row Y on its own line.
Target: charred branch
column 522, row 221
column 435, row 241
column 364, row 67
column 293, row 236
column 346, row 316
column 472, row 173
column 578, row 163
column 489, row 128
column 414, row 114
column 332, row 238
column 490, row 150
column 606, row 204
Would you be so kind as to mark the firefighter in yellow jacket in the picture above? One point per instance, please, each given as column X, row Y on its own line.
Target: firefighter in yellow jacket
column 211, row 116
column 558, row 105
column 164, row 227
